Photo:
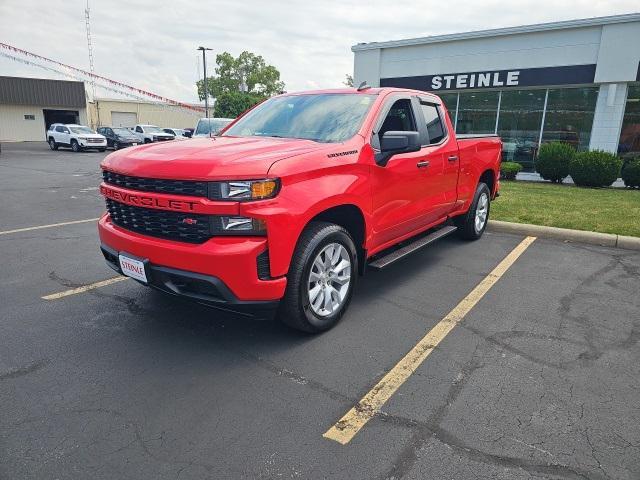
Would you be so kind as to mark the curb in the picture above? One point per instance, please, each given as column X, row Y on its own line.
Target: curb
column 566, row 234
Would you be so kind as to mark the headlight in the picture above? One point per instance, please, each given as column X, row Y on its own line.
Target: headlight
column 83, row 138
column 237, row 225
column 243, row 190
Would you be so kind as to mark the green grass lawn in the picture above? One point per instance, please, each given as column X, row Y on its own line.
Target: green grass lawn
column 606, row 210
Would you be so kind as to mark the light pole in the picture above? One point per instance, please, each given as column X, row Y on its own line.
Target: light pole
column 205, row 86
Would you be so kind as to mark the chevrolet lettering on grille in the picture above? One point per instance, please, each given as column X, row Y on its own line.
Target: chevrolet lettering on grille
column 147, row 201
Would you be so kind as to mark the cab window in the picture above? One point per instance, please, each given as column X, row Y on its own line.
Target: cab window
column 399, row 118
column 433, row 121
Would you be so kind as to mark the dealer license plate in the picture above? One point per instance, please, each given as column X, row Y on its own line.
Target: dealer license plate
column 132, row 268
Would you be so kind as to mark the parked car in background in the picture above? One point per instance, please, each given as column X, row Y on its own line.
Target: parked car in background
column 211, row 126
column 188, row 132
column 76, row 137
column 119, row 137
column 179, row 133
column 151, row 133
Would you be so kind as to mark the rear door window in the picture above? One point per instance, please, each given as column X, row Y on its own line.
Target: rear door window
column 433, row 119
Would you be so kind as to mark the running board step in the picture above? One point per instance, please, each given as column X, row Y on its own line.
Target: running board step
column 396, row 255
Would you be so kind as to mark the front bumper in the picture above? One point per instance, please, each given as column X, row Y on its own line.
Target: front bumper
column 86, row 144
column 228, row 265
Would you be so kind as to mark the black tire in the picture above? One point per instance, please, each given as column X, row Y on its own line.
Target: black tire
column 295, row 307
column 146, row 140
column 116, row 146
column 75, row 146
column 52, row 144
column 467, row 227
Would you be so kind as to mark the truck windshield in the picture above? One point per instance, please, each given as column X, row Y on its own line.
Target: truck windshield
column 333, row 117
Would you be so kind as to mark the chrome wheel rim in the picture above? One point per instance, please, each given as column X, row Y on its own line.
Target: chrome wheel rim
column 482, row 210
column 329, row 279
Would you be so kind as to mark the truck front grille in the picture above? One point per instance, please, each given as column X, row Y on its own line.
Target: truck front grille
column 192, row 188
column 181, row 227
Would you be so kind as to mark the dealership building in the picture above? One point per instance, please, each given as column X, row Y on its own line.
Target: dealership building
column 574, row 81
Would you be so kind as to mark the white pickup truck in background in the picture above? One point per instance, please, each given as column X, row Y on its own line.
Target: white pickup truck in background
column 151, row 133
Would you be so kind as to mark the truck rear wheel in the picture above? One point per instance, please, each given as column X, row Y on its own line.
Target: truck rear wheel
column 321, row 278
column 472, row 225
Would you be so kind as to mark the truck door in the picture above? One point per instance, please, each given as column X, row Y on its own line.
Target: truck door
column 398, row 188
column 440, row 150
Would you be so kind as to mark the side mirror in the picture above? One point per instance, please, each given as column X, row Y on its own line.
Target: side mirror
column 394, row 142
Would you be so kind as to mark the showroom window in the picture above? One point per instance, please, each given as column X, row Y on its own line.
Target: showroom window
column 450, row 101
column 569, row 116
column 477, row 112
column 519, row 125
column 518, row 117
column 629, row 144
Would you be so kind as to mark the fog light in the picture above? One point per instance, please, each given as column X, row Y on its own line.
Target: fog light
column 244, row 225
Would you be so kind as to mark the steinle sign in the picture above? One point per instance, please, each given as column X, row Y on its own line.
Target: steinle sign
column 476, row 80
column 514, row 77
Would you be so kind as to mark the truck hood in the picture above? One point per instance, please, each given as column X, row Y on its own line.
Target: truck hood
column 207, row 158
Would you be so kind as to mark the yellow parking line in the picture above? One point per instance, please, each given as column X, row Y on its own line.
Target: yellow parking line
column 84, row 288
column 356, row 418
column 28, row 229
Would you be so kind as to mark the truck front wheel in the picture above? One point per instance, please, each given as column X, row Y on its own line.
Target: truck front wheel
column 472, row 225
column 321, row 278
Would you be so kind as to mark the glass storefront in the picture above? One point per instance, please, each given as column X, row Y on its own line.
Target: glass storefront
column 629, row 144
column 450, row 101
column 519, row 125
column 477, row 112
column 518, row 117
column 569, row 116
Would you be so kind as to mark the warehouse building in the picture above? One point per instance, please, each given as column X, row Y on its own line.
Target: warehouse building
column 29, row 105
column 574, row 81
column 127, row 113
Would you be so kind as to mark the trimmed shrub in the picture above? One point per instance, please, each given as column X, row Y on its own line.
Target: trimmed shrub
column 553, row 161
column 631, row 172
column 509, row 170
column 595, row 168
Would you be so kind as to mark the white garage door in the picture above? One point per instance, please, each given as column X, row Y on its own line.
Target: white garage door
column 124, row 119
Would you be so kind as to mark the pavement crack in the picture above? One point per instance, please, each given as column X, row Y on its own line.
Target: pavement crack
column 26, row 370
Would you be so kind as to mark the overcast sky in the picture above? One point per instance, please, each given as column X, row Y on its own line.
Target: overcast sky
column 152, row 44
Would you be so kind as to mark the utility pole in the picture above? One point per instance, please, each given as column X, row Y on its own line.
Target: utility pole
column 90, row 48
column 205, row 86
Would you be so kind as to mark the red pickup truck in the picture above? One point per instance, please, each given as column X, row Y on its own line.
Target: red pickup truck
column 285, row 208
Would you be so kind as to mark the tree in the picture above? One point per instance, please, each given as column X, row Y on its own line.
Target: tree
column 348, row 80
column 232, row 104
column 247, row 73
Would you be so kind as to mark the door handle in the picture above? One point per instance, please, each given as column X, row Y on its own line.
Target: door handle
column 453, row 158
column 424, row 164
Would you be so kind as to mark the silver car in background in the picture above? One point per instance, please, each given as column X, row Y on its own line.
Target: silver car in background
column 211, row 126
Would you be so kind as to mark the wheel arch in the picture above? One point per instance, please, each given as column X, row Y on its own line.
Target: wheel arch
column 351, row 218
column 488, row 177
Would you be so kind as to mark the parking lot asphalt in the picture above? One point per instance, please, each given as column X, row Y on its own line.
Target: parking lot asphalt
column 541, row 379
